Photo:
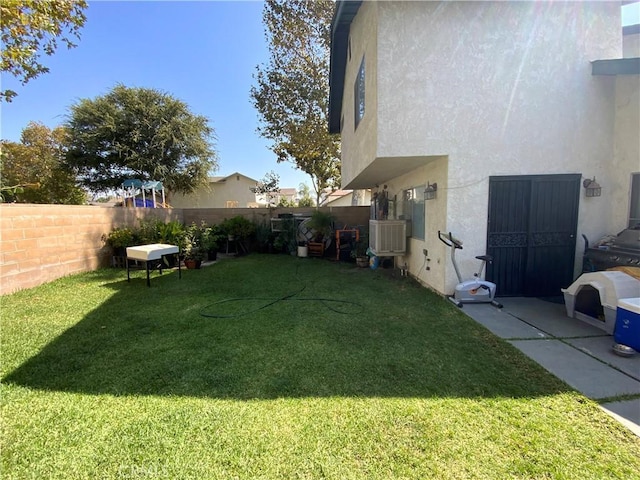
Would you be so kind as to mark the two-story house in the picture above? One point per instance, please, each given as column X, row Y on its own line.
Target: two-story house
column 231, row 191
column 488, row 120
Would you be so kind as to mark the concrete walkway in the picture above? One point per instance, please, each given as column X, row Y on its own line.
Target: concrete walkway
column 574, row 351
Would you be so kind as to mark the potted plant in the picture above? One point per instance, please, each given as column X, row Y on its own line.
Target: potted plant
column 359, row 252
column 119, row 239
column 279, row 243
column 147, row 232
column 238, row 229
column 322, row 225
column 192, row 247
column 212, row 238
column 303, row 249
column 170, row 233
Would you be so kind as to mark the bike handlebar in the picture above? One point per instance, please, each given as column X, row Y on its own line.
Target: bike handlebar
column 449, row 240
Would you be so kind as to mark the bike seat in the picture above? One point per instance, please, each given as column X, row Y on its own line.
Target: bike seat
column 485, row 258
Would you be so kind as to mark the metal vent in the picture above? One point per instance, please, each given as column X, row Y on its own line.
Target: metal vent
column 388, row 238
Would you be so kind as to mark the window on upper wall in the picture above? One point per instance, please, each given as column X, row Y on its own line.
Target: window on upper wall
column 634, row 207
column 413, row 209
column 358, row 94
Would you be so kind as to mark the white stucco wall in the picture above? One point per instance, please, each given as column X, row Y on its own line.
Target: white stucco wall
column 359, row 145
column 364, row 199
column 498, row 88
column 631, row 46
column 435, row 170
column 626, row 158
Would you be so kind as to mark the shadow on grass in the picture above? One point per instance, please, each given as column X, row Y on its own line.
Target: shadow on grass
column 400, row 340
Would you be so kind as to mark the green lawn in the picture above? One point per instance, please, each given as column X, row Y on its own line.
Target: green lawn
column 269, row 366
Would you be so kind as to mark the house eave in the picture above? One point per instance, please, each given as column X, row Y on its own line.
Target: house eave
column 384, row 169
column 340, row 25
column 616, row 66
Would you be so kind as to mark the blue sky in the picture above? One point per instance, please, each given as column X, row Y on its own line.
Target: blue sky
column 631, row 14
column 203, row 53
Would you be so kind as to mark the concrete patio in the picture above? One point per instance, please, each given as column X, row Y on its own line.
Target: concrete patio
column 574, row 351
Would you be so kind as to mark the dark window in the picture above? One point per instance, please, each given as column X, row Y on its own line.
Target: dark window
column 634, row 208
column 413, row 210
column 358, row 93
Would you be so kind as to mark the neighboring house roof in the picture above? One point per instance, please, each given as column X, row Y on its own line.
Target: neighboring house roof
column 335, row 195
column 340, row 25
column 288, row 191
column 223, row 179
column 345, row 197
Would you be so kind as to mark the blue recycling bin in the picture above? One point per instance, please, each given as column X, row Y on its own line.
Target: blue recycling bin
column 627, row 329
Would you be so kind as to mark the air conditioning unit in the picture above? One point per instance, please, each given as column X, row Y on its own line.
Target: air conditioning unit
column 388, row 238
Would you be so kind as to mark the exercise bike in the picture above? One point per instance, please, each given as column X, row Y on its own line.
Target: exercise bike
column 475, row 290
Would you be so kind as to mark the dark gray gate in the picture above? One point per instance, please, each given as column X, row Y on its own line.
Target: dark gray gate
column 532, row 233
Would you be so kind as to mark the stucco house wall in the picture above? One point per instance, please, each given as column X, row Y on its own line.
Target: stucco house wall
column 457, row 92
column 341, row 199
column 220, row 190
column 361, row 149
column 626, row 158
column 435, row 217
column 631, row 41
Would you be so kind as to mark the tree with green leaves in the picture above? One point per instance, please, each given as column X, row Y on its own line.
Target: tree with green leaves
column 269, row 186
column 29, row 28
column 139, row 133
column 304, row 195
column 33, row 170
column 292, row 91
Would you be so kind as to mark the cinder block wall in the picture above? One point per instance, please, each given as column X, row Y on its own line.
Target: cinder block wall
column 343, row 215
column 39, row 243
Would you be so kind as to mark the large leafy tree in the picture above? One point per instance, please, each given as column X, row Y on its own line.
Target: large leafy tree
column 32, row 170
column 139, row 133
column 304, row 195
column 30, row 28
column 269, row 186
column 292, row 90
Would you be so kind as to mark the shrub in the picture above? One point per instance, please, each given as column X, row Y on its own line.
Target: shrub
column 322, row 223
column 171, row 233
column 119, row 237
column 192, row 243
column 212, row 237
column 239, row 227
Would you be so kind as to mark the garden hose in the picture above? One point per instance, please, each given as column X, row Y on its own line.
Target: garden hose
column 327, row 302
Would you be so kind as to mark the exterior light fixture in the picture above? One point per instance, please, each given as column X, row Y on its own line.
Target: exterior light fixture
column 592, row 188
column 431, row 191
